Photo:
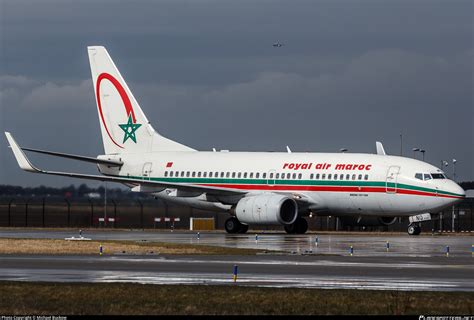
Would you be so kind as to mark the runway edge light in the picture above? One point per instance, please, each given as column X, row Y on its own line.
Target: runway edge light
column 235, row 272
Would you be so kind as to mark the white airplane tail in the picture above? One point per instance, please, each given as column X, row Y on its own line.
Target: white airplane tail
column 124, row 126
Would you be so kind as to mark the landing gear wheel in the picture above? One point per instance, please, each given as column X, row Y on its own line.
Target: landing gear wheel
column 243, row 228
column 300, row 226
column 290, row 228
column 414, row 230
column 232, row 225
column 417, row 230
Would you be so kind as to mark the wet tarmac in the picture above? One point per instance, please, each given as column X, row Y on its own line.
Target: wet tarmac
column 328, row 272
column 303, row 261
column 334, row 244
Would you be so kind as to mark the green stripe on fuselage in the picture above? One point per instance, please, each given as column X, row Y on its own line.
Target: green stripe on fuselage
column 291, row 182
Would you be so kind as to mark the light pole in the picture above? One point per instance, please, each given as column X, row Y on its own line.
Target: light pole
column 453, row 216
column 415, row 150
column 444, row 163
column 423, row 153
column 454, row 169
column 343, row 150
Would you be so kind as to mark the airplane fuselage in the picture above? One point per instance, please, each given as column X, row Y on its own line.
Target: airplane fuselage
column 332, row 183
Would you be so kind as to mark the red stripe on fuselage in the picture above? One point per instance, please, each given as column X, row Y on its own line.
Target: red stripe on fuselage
column 328, row 189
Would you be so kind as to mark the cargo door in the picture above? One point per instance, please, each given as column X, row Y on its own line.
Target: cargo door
column 146, row 172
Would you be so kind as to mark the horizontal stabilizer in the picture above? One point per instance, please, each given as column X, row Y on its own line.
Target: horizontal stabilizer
column 112, row 163
column 26, row 165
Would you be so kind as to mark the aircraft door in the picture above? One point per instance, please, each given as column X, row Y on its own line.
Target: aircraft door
column 146, row 172
column 392, row 179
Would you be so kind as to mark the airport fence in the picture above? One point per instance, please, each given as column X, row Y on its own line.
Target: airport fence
column 49, row 212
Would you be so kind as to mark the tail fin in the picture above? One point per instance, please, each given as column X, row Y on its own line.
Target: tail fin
column 124, row 126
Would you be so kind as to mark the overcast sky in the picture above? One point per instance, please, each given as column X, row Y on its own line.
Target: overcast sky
column 206, row 74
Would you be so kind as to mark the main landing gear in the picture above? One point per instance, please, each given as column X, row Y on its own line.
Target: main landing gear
column 233, row 225
column 414, row 229
column 300, row 226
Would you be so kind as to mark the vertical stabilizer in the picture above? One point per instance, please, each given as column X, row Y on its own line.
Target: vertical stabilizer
column 124, row 126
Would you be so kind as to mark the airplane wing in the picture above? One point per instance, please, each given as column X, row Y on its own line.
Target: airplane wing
column 26, row 165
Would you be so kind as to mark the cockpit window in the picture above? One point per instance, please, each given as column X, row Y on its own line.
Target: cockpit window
column 427, row 176
column 438, row 176
column 419, row 176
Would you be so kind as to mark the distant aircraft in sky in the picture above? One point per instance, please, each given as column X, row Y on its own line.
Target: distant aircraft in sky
column 254, row 188
column 278, row 44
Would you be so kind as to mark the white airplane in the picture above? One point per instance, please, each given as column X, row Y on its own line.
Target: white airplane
column 254, row 188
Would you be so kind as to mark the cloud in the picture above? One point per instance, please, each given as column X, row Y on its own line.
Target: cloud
column 52, row 95
column 29, row 94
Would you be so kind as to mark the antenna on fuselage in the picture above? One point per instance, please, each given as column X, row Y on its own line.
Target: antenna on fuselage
column 288, row 149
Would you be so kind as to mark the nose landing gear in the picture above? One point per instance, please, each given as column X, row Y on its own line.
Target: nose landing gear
column 414, row 229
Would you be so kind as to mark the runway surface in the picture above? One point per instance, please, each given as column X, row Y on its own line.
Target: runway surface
column 338, row 244
column 412, row 263
column 342, row 272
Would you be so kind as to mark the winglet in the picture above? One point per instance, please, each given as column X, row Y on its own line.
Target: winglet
column 22, row 160
column 380, row 149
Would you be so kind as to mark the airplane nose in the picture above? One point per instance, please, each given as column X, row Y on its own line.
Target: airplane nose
column 457, row 190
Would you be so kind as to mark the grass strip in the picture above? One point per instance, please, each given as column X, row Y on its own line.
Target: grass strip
column 63, row 247
column 136, row 299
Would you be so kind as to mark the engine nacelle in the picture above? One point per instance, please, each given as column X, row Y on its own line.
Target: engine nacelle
column 267, row 209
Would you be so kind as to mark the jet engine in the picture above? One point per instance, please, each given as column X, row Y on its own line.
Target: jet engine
column 267, row 209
